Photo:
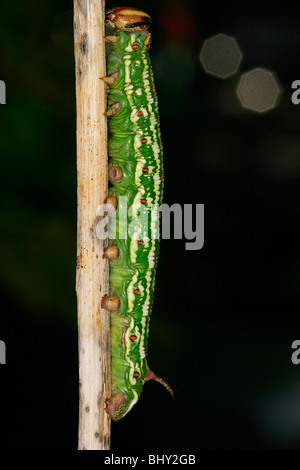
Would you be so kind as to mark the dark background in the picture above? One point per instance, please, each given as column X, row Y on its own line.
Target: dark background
column 224, row 317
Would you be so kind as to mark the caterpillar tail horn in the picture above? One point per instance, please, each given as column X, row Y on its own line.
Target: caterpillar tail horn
column 152, row 376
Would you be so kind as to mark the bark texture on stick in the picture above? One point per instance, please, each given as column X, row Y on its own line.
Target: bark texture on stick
column 92, row 268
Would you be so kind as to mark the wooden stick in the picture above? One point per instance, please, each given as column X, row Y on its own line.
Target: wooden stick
column 92, row 268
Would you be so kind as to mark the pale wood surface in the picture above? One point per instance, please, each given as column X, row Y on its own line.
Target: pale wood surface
column 92, row 269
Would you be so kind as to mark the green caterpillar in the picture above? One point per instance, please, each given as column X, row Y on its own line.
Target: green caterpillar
column 136, row 176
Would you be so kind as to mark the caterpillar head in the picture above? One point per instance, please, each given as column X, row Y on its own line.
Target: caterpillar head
column 128, row 19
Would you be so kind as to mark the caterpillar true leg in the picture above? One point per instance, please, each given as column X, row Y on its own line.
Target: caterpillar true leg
column 110, row 79
column 113, row 109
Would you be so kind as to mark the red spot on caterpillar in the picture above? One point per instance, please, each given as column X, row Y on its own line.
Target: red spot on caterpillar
column 136, row 291
column 145, row 170
column 140, row 113
column 135, row 46
column 133, row 338
column 136, row 374
column 143, row 201
column 140, row 242
column 144, row 141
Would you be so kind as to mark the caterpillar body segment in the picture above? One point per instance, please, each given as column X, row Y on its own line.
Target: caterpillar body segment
column 136, row 176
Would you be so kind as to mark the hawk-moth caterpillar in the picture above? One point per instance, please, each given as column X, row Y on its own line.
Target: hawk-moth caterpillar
column 136, row 173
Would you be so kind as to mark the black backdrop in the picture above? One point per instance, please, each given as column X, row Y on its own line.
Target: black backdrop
column 225, row 316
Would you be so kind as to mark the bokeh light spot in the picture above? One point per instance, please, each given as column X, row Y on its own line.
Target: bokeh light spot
column 220, row 56
column 258, row 90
